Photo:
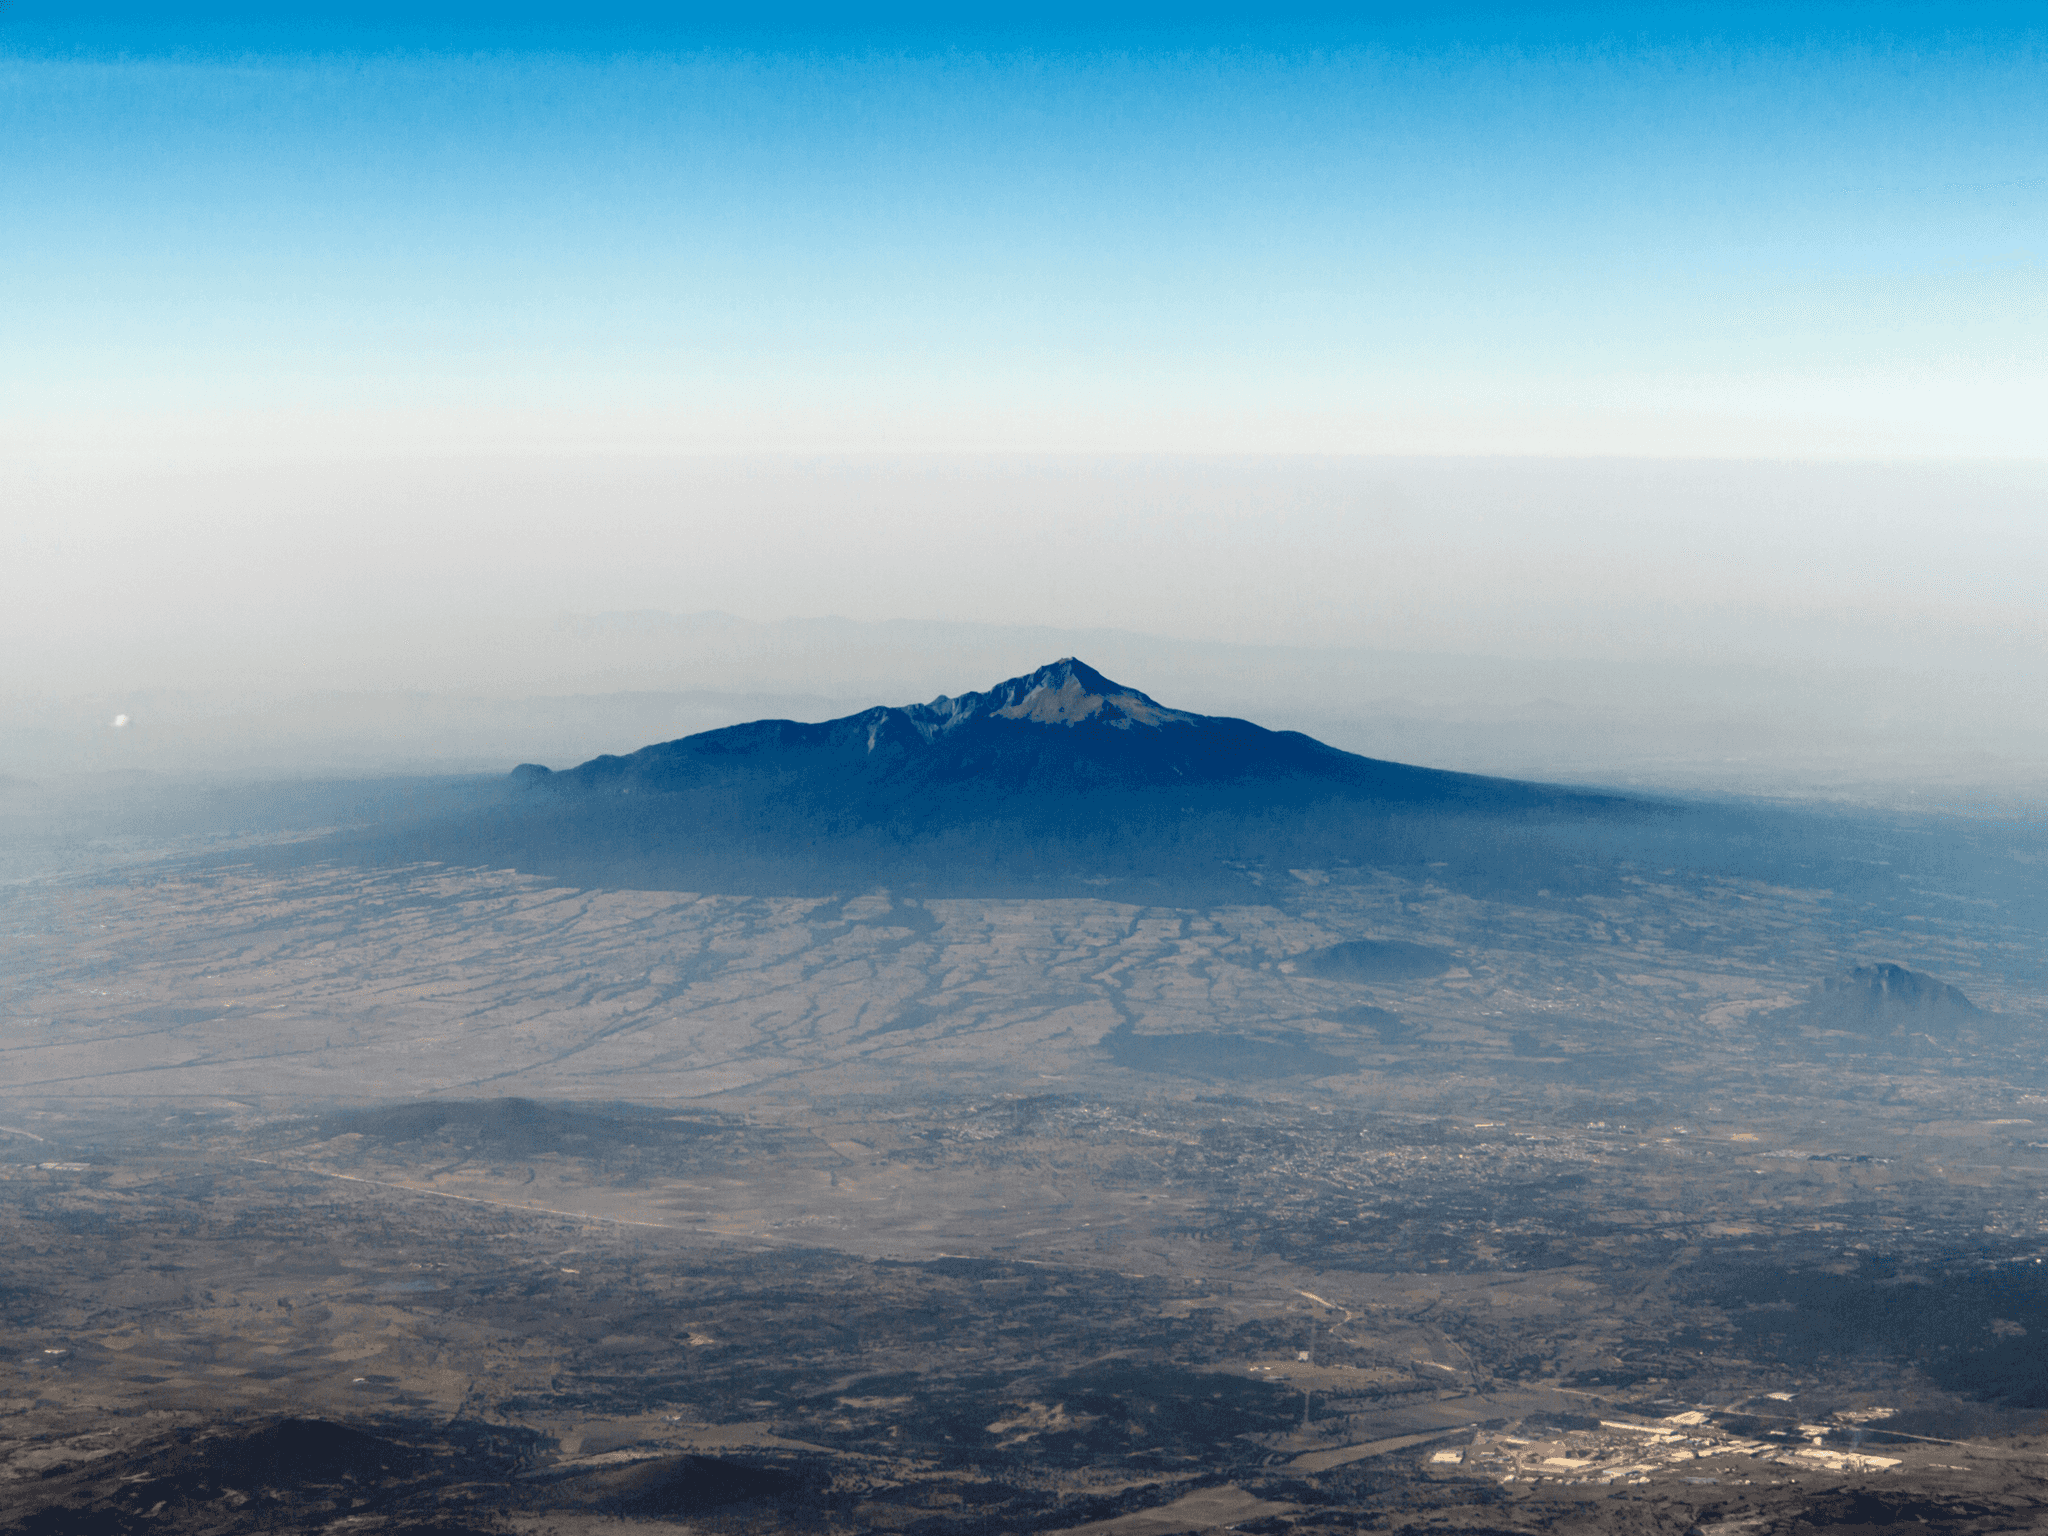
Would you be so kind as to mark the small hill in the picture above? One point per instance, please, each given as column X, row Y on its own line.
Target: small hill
column 1889, row 999
column 626, row 1138
column 1375, row 960
column 1893, row 1009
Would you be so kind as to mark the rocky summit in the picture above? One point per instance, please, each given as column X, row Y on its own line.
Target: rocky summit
column 1068, row 693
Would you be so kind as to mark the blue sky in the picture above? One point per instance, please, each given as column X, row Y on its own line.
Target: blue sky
column 1787, row 231
column 342, row 342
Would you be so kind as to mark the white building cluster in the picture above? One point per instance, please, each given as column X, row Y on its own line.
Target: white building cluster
column 1621, row 1451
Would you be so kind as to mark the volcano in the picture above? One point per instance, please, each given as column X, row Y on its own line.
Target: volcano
column 1062, row 731
column 1058, row 781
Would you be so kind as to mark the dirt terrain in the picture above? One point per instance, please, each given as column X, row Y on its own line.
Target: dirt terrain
column 515, row 1302
column 334, row 982
column 431, row 1199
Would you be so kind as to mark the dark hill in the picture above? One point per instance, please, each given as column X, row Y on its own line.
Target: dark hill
column 674, row 1486
column 1058, row 781
column 296, row 1452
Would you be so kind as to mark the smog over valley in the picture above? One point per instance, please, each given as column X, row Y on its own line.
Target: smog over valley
column 1022, row 770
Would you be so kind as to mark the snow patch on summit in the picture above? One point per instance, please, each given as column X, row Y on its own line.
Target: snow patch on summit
column 1071, row 701
column 1065, row 693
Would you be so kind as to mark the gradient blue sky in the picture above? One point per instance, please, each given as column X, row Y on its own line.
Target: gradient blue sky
column 1784, row 232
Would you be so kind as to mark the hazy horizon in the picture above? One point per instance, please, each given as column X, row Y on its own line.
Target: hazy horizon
column 1864, row 732
column 1762, row 627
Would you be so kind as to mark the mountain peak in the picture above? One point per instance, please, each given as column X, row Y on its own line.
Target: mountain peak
column 1065, row 692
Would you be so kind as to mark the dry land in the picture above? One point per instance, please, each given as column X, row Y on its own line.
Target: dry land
column 435, row 1199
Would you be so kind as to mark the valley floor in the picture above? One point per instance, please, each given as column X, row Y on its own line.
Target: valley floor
column 431, row 1199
